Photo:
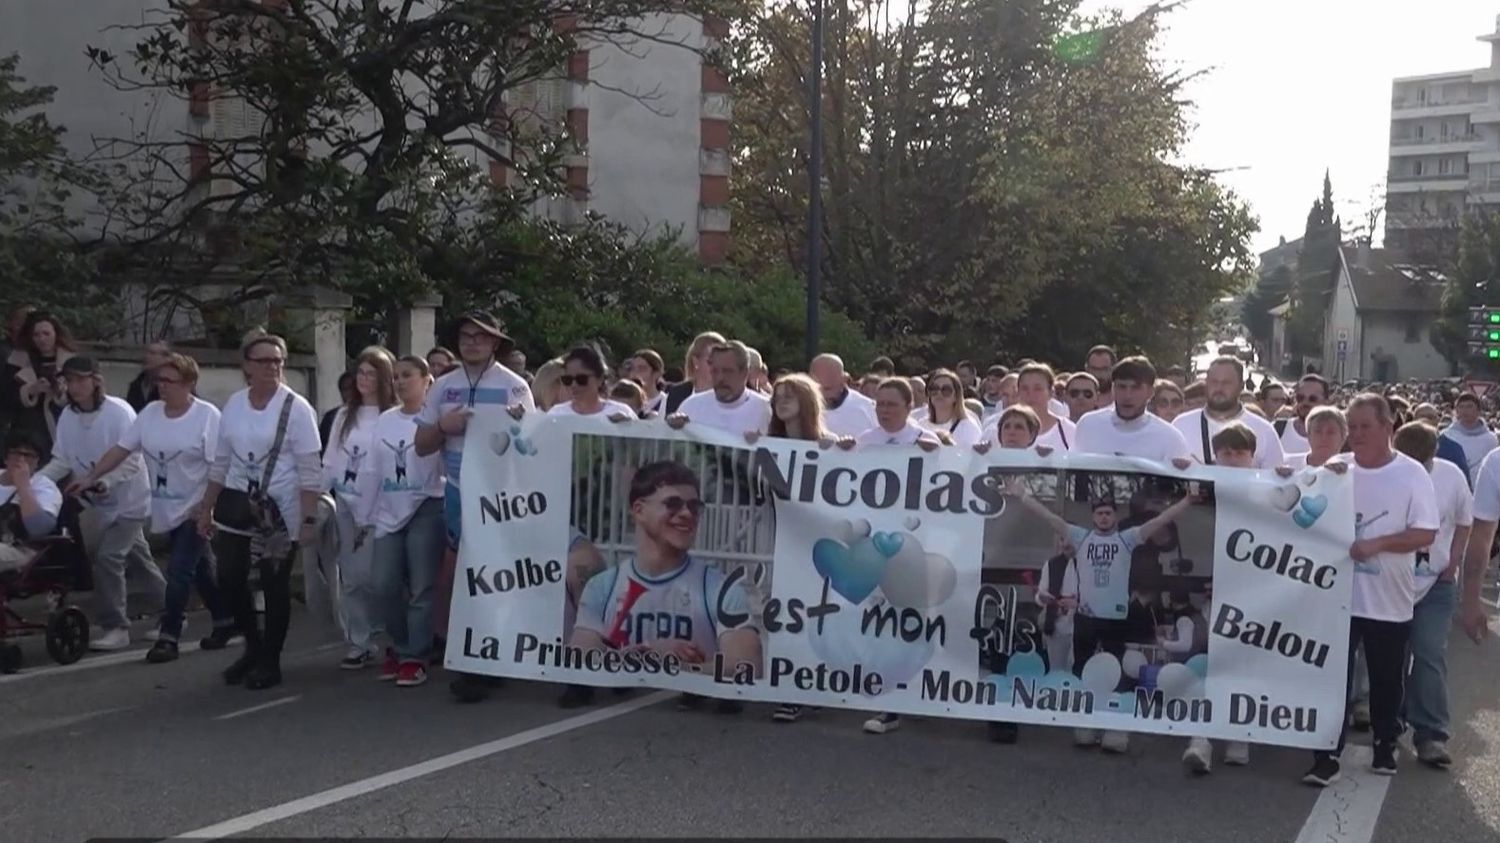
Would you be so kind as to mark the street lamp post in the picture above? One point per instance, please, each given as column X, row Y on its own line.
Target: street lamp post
column 815, row 185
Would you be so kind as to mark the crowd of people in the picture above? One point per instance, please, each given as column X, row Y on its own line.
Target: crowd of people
column 233, row 492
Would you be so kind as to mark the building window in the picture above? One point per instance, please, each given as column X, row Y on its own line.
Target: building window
column 1413, row 329
column 1444, row 166
column 1416, row 167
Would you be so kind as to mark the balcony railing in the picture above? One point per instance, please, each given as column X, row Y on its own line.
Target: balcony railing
column 1469, row 138
column 1408, row 105
column 1408, row 177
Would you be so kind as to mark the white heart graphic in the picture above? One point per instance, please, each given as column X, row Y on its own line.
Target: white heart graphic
column 859, row 528
column 500, row 443
column 1309, row 479
column 1284, row 497
column 912, row 522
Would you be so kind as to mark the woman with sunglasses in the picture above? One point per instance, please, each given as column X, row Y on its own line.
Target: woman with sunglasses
column 946, row 414
column 1167, row 401
column 178, row 434
column 583, row 377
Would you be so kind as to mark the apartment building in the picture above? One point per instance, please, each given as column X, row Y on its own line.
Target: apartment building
column 1444, row 152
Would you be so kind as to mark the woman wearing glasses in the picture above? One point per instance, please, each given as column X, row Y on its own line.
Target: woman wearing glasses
column 583, row 377
column 268, row 443
column 179, row 436
column 1167, row 401
column 946, row 414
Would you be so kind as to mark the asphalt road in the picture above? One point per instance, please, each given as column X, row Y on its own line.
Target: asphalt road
column 115, row 747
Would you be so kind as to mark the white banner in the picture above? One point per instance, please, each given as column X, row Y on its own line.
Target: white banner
column 1212, row 602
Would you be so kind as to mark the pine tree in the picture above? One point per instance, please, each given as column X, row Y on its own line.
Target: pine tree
column 1317, row 271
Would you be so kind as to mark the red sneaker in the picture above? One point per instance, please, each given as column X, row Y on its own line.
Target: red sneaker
column 411, row 674
column 390, row 668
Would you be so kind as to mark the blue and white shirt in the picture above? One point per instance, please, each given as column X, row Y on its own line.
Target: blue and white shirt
column 497, row 389
column 679, row 605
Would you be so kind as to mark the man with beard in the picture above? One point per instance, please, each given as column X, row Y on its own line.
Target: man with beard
column 1125, row 428
column 1311, row 393
column 1100, row 362
column 1198, row 427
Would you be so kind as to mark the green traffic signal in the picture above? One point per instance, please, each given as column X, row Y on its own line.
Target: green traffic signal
column 1494, row 317
column 1492, row 353
column 1492, row 335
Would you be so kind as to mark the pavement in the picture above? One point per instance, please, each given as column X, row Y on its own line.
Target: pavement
column 115, row 747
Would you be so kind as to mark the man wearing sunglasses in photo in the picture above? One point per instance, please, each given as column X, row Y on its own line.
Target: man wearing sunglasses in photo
column 1311, row 393
column 477, row 384
column 663, row 598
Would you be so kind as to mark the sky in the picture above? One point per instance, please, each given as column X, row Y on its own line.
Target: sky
column 1297, row 86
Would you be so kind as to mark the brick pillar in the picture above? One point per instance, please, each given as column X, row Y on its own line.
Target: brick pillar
column 714, row 116
column 576, row 161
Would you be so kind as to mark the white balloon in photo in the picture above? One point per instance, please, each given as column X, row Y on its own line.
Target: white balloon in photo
column 1176, row 680
column 916, row 579
column 1282, row 497
column 843, row 532
column 1101, row 674
column 1132, row 662
column 858, row 529
column 911, row 522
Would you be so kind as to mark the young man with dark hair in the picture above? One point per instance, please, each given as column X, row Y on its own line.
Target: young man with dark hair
column 1125, row 428
column 991, row 395
column 1470, row 431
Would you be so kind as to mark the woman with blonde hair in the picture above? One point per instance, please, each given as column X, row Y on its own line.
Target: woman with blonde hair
column 346, row 472
column 796, row 412
column 546, row 385
column 698, row 377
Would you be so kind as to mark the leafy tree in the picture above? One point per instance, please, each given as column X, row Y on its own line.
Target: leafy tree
column 42, row 262
column 998, row 178
column 1473, row 280
column 1317, row 273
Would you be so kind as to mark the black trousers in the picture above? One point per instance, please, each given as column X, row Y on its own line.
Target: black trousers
column 235, row 560
column 1385, row 658
column 1091, row 635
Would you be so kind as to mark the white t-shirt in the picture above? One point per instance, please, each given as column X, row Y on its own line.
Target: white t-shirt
column 1388, row 500
column 1057, row 408
column 607, row 408
column 496, row 389
column 346, row 460
column 907, row 435
column 670, row 606
column 1487, row 489
column 48, row 497
column 965, row 432
column 1146, row 437
column 1292, row 442
column 402, row 481
column 750, row 411
column 82, row 438
column 1061, row 436
column 247, row 434
column 178, row 453
column 1455, row 509
column 1102, row 571
column 853, row 416
column 1268, row 453
column 655, row 406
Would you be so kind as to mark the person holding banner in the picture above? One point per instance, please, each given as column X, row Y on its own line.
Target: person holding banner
column 583, row 377
column 1125, row 428
column 1104, row 595
column 1034, row 389
column 846, row 412
column 1198, row 427
column 946, row 412
column 479, row 383
column 1395, row 515
column 730, row 405
column 1327, row 430
column 661, row 597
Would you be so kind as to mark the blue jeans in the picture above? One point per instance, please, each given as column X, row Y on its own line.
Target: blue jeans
column 1426, row 708
column 406, row 567
column 191, row 563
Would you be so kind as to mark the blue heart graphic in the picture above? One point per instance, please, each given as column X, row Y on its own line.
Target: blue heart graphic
column 1303, row 519
column 853, row 572
column 1315, row 505
column 889, row 544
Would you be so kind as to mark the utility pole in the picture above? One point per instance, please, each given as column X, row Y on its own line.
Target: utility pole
column 815, row 185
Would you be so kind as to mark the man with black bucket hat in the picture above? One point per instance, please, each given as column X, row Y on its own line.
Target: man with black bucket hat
column 477, row 384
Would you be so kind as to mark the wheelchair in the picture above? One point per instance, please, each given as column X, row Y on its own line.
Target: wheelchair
column 58, row 567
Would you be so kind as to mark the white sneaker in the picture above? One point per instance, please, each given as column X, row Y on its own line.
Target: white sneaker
column 1085, row 737
column 154, row 634
column 1115, row 742
column 110, row 640
column 1198, row 757
column 1237, row 754
column 883, row 723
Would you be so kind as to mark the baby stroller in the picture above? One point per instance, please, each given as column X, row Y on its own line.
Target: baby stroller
column 56, row 566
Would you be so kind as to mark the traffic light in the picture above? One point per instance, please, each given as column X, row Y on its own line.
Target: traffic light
column 1484, row 332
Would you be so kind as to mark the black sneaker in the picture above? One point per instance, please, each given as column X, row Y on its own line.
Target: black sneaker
column 162, row 651
column 689, row 702
column 1324, row 772
column 787, row 713
column 468, row 689
column 221, row 637
column 1006, row 733
column 575, row 696
column 1385, row 759
column 235, row 673
column 263, row 676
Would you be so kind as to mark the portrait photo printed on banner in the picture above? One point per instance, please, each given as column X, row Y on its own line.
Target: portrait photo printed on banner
column 669, row 559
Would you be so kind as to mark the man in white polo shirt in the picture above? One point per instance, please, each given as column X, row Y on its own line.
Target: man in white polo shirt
column 1223, row 381
column 729, row 406
column 845, row 411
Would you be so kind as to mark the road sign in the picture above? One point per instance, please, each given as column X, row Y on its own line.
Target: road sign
column 1343, row 336
column 1343, row 352
column 1479, row 388
column 1343, row 345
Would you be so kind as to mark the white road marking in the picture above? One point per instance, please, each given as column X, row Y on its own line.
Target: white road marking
column 343, row 793
column 1347, row 811
column 262, row 707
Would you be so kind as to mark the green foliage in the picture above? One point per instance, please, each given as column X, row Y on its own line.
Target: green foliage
column 1473, row 280
column 1000, row 179
column 1317, row 273
column 1271, row 289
